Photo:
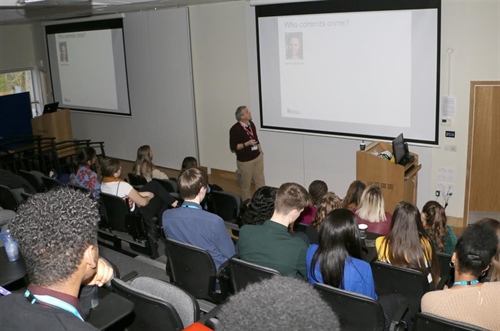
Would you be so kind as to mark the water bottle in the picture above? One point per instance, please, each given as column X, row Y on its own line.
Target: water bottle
column 10, row 245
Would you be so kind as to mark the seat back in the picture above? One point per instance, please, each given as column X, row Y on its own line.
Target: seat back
column 157, row 304
column 428, row 322
column 120, row 218
column 136, row 180
column 411, row 284
column 8, row 199
column 78, row 188
column 225, row 204
column 445, row 269
column 243, row 273
column 32, row 179
column 192, row 269
column 168, row 184
column 354, row 311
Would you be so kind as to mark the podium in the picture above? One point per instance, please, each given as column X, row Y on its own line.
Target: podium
column 57, row 125
column 397, row 182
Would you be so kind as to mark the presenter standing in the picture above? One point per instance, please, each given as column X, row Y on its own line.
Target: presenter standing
column 244, row 142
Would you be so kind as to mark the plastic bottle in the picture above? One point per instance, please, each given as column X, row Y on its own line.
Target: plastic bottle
column 10, row 245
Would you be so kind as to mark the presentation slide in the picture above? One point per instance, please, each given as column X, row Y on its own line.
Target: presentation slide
column 365, row 73
column 88, row 69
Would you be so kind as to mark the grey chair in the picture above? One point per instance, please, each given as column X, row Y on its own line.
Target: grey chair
column 429, row 322
column 158, row 305
column 243, row 273
column 168, row 184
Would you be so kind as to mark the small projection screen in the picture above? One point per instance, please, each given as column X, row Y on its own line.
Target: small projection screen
column 365, row 68
column 88, row 66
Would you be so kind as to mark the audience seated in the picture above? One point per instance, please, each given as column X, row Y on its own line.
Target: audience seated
column 260, row 208
column 329, row 202
column 469, row 300
column 144, row 164
column 317, row 190
column 337, row 260
column 434, row 219
column 408, row 244
column 275, row 304
column 371, row 212
column 270, row 244
column 493, row 274
column 151, row 199
column 84, row 176
column 191, row 224
column 353, row 195
column 189, row 162
column 57, row 236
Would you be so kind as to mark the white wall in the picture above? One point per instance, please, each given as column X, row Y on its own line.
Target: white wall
column 16, row 47
column 225, row 78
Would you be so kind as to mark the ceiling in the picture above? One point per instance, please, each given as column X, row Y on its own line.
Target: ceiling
column 27, row 11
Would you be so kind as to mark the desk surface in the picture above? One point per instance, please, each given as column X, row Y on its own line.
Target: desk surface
column 10, row 272
column 112, row 308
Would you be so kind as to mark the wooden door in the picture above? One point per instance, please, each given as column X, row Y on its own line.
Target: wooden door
column 482, row 196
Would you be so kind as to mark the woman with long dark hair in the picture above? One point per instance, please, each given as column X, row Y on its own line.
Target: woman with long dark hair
column 144, row 164
column 337, row 260
column 408, row 244
column 434, row 220
column 353, row 195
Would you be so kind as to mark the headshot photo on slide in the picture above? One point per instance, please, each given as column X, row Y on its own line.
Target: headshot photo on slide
column 294, row 49
column 63, row 52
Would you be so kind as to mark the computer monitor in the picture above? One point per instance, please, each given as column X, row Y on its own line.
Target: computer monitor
column 399, row 149
column 50, row 108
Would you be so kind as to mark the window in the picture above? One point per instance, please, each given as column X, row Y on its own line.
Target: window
column 20, row 81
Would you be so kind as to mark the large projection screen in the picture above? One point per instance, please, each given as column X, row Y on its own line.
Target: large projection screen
column 367, row 68
column 88, row 66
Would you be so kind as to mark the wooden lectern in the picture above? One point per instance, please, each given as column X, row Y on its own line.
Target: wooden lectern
column 397, row 182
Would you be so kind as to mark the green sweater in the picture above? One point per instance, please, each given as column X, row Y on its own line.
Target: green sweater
column 271, row 245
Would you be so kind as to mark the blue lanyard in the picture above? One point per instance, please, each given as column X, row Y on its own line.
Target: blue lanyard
column 52, row 302
column 190, row 206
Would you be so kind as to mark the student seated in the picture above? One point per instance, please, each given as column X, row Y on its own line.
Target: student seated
column 337, row 260
column 317, row 190
column 144, row 165
column 408, row 244
column 469, row 300
column 434, row 219
column 191, row 224
column 57, row 236
column 84, row 176
column 261, row 207
column 371, row 212
column 493, row 274
column 270, row 244
column 329, row 202
column 353, row 195
column 151, row 199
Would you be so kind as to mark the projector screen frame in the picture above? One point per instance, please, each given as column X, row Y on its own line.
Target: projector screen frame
column 349, row 6
column 105, row 22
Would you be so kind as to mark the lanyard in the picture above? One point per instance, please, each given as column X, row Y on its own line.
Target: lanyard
column 249, row 130
column 55, row 302
column 190, row 206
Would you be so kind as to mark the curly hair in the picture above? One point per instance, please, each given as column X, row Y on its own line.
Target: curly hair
column 329, row 202
column 476, row 248
column 494, row 274
column 353, row 195
column 435, row 218
column 261, row 206
column 53, row 230
column 317, row 190
column 250, row 308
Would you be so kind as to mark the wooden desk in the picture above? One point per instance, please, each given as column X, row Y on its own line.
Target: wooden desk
column 10, row 272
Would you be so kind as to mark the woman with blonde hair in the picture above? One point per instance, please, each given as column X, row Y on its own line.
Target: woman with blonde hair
column 144, row 164
column 329, row 202
column 371, row 211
